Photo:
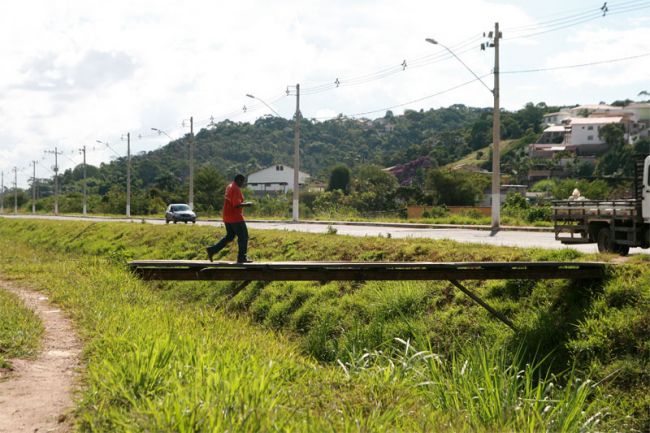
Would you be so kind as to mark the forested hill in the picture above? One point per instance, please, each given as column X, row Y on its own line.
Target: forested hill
column 444, row 134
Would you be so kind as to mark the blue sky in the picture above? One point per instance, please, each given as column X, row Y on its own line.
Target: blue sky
column 82, row 70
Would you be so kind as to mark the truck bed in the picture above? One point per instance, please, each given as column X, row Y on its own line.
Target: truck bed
column 572, row 218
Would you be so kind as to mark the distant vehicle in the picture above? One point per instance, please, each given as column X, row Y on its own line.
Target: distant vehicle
column 615, row 225
column 179, row 212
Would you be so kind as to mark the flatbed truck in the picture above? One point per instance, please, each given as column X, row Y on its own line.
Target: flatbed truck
column 615, row 225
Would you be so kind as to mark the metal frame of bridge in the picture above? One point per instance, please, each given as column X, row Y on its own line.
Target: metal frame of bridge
column 191, row 270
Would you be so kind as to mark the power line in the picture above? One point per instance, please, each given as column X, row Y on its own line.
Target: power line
column 408, row 102
column 599, row 11
column 579, row 65
column 577, row 21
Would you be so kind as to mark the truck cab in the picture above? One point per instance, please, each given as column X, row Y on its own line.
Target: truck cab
column 645, row 199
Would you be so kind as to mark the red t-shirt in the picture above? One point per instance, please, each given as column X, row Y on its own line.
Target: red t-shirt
column 231, row 213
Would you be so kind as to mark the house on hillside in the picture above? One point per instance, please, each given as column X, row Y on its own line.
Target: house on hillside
column 555, row 118
column 275, row 179
column 578, row 135
column 594, row 109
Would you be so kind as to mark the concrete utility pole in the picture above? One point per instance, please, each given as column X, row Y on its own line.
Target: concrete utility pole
column 2, row 192
column 191, row 198
column 296, row 159
column 15, row 190
column 128, row 174
column 85, row 203
column 56, row 178
column 34, row 188
column 496, row 137
column 496, row 120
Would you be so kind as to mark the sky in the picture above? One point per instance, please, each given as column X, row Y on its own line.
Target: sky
column 77, row 71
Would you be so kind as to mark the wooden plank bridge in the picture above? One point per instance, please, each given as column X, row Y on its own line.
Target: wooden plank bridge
column 193, row 270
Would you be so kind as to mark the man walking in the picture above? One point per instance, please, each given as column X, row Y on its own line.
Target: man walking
column 233, row 218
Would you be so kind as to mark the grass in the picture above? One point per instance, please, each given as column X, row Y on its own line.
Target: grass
column 20, row 329
column 179, row 356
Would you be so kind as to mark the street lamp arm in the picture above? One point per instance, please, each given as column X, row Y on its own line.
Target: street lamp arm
column 434, row 42
column 269, row 107
column 160, row 131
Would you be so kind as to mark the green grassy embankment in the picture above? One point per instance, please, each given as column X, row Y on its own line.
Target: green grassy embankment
column 20, row 329
column 197, row 356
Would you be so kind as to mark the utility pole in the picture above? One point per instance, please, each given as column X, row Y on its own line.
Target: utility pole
column 191, row 198
column 83, row 150
column 496, row 138
column 2, row 191
column 15, row 190
column 56, row 178
column 296, row 158
column 128, row 174
column 34, row 188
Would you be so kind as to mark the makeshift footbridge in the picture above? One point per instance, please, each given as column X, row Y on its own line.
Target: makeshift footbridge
column 454, row 272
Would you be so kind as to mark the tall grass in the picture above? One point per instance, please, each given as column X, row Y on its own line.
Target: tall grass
column 490, row 388
column 20, row 329
column 149, row 334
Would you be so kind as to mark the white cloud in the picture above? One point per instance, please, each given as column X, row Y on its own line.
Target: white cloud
column 85, row 70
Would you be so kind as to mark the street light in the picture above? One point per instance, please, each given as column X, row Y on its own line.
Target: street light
column 160, row 131
column 496, row 125
column 295, row 208
column 434, row 42
column 270, row 108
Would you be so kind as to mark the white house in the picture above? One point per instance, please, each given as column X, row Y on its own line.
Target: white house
column 585, row 131
column 277, row 178
column 578, row 134
column 556, row 118
column 590, row 109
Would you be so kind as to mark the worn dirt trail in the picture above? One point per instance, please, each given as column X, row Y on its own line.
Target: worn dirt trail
column 38, row 394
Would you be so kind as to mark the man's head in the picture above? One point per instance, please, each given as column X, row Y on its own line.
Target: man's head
column 240, row 179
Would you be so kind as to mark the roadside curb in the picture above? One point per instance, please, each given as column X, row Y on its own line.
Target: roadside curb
column 417, row 226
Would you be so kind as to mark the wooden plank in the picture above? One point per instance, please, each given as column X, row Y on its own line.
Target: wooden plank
column 198, row 264
column 376, row 272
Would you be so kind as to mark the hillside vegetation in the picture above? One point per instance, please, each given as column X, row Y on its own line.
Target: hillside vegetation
column 159, row 177
column 377, row 356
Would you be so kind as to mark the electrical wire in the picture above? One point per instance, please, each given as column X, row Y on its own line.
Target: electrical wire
column 597, row 15
column 563, row 18
column 408, row 102
column 579, row 65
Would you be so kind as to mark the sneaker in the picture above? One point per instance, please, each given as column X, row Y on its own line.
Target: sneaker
column 244, row 260
column 207, row 250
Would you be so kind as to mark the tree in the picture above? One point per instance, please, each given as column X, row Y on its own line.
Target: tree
column 210, row 186
column 374, row 188
column 619, row 158
column 339, row 179
column 456, row 188
column 612, row 134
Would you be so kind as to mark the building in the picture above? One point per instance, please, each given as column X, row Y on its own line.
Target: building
column 591, row 109
column 578, row 135
column 555, row 118
column 275, row 179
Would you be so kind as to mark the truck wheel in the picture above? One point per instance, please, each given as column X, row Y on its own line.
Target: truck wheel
column 605, row 241
column 623, row 250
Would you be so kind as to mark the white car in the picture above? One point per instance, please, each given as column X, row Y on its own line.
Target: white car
column 179, row 212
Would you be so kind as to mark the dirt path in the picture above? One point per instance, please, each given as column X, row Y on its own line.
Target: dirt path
column 38, row 393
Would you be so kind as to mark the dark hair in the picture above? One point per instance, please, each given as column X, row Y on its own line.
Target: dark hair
column 240, row 178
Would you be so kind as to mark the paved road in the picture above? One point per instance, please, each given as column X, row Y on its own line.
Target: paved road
column 503, row 237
